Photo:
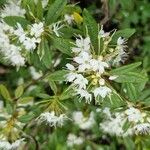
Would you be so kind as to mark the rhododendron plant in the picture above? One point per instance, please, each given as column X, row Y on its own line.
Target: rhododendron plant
column 67, row 83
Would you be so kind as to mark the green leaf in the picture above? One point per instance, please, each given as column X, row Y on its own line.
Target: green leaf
column 67, row 93
column 47, row 58
column 9, row 108
column 70, row 9
column 4, row 92
column 69, row 32
column 125, row 69
column 13, row 20
column 30, row 7
column 43, row 95
column 44, row 53
column 113, row 102
column 25, row 100
column 125, row 33
column 92, row 27
column 131, row 91
column 126, row 125
column 133, row 77
column 41, row 49
column 35, row 61
column 53, row 86
column 144, row 94
column 26, row 118
column 63, row 45
column 39, row 10
column 19, row 91
column 129, row 143
column 55, row 10
column 57, row 75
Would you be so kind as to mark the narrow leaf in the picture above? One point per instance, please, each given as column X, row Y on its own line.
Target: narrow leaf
column 92, row 27
column 63, row 45
column 19, row 91
column 124, row 69
column 4, row 92
column 55, row 11
column 58, row 75
column 13, row 20
column 25, row 100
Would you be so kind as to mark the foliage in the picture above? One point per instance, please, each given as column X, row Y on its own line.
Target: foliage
column 70, row 81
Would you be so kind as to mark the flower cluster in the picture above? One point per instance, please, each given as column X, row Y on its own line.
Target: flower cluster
column 115, row 54
column 74, row 140
column 82, row 121
column 52, row 119
column 129, row 122
column 9, row 146
column 11, row 52
column 87, row 75
column 30, row 38
column 12, row 8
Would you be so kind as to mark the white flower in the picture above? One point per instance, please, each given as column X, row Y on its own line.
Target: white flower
column 52, row 119
column 17, row 60
column 82, row 45
column 70, row 67
column 106, row 111
column 20, row 33
column 44, row 2
column 70, row 77
column 101, row 81
column 142, row 128
column 56, row 61
column 5, row 27
column 98, row 65
column 74, row 140
column 134, row 115
column 120, row 41
column 56, row 27
column 80, row 81
column 4, row 41
column 122, row 55
column 13, row 55
column 10, row 52
column 113, row 127
column 83, row 60
column 102, row 91
column 83, row 122
column 35, row 75
column 113, row 77
column 12, row 8
column 85, row 94
column 113, row 123
column 5, row 145
column 37, row 29
column 103, row 34
column 69, row 18
column 30, row 43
